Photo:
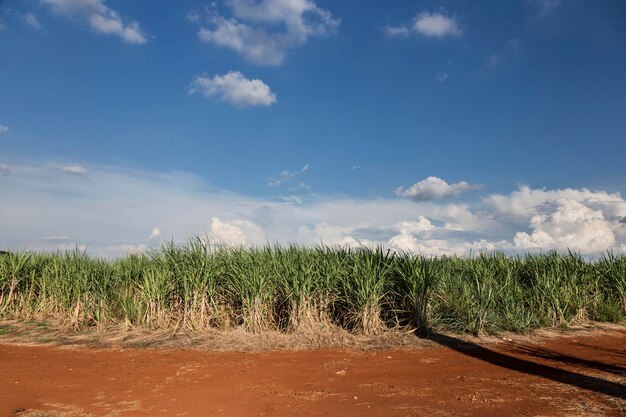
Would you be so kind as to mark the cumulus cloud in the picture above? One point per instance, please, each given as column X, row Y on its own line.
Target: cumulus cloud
column 111, row 209
column 234, row 88
column 287, row 176
column 421, row 225
column 433, row 188
column 127, row 248
column 440, row 247
column 525, row 202
column 100, row 18
column 567, row 224
column 442, row 76
column 263, row 31
column 3, row 129
column 236, row 233
column 5, row 169
column 31, row 19
column 155, row 233
column 581, row 220
column 436, row 24
column 421, row 236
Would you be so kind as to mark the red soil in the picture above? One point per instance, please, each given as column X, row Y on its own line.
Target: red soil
column 566, row 375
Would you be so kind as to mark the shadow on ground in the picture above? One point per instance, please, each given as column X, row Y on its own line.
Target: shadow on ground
column 528, row 367
column 549, row 354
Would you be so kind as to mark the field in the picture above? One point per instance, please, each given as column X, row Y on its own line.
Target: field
column 555, row 373
column 195, row 287
column 327, row 331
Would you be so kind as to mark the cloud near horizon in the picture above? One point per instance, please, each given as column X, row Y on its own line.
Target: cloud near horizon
column 112, row 211
column 74, row 169
column 434, row 188
column 100, row 18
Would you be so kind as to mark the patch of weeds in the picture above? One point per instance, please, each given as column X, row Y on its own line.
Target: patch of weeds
column 5, row 329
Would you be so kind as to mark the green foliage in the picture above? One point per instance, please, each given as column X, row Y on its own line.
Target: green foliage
column 197, row 286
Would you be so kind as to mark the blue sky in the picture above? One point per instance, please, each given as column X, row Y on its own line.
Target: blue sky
column 298, row 120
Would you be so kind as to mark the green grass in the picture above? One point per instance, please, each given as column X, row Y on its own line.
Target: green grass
column 291, row 289
column 5, row 329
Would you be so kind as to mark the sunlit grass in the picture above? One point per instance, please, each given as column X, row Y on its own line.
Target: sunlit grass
column 197, row 286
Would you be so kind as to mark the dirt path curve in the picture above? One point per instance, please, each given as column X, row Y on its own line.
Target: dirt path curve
column 568, row 375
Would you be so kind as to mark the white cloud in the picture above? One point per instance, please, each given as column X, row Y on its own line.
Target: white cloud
column 236, row 233
column 349, row 242
column 2, row 26
column 31, row 19
column 234, row 88
column 436, row 24
column 580, row 220
column 396, row 31
column 126, row 249
column 263, row 31
column 255, row 45
column 439, row 247
column 422, row 225
column 111, row 209
column 442, row 76
column 567, row 224
column 433, row 188
column 100, row 18
column 430, row 24
column 74, row 169
column 155, row 233
column 525, row 202
column 3, row 129
column 422, row 236
column 287, row 176
column 5, row 169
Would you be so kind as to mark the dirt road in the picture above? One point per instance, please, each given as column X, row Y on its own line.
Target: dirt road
column 567, row 375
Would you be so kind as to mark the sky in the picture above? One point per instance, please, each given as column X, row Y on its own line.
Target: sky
column 437, row 127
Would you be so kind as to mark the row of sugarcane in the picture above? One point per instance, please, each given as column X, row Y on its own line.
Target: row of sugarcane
column 198, row 286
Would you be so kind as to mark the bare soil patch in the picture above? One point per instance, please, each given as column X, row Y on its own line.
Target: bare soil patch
column 552, row 373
